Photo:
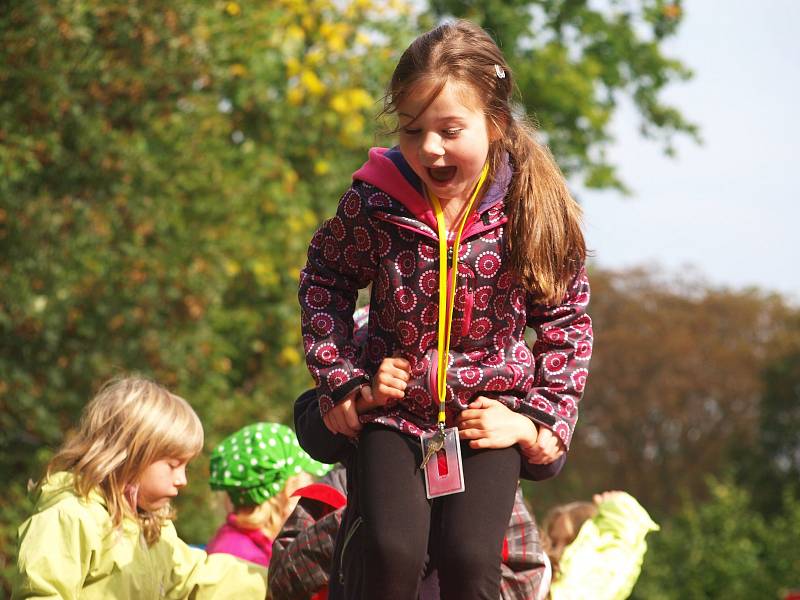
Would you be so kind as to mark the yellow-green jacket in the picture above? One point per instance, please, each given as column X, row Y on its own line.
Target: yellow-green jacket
column 604, row 561
column 68, row 549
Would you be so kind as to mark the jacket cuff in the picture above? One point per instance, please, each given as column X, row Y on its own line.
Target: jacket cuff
column 329, row 399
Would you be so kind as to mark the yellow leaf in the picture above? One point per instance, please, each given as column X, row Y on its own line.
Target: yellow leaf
column 238, row 70
column 312, row 83
column 233, row 9
column 289, row 356
column 232, row 267
column 294, row 96
column 293, row 66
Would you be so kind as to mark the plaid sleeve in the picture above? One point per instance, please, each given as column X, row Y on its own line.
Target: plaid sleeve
column 302, row 554
column 524, row 563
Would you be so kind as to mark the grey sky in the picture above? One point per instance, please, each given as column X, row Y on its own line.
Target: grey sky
column 730, row 208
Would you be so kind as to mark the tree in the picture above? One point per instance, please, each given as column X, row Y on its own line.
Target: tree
column 574, row 60
column 771, row 470
column 722, row 549
column 161, row 171
column 675, row 386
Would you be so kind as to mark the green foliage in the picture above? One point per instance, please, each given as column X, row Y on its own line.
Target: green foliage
column 723, row 549
column 772, row 468
column 161, row 171
column 574, row 60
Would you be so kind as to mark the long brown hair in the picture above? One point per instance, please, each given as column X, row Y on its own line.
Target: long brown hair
column 130, row 424
column 544, row 239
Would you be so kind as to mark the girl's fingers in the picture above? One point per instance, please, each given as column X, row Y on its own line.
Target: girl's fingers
column 331, row 422
column 481, row 402
column 392, row 381
column 470, row 424
column 366, row 393
column 390, row 391
column 470, row 413
column 402, row 371
column 400, row 363
column 480, row 443
column 470, row 434
column 399, row 383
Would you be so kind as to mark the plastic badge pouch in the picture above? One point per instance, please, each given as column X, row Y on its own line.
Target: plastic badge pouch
column 443, row 472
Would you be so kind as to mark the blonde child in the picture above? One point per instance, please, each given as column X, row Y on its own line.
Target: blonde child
column 596, row 548
column 259, row 468
column 468, row 235
column 101, row 527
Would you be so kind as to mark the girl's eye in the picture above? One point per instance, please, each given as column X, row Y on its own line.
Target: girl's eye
column 451, row 133
column 409, row 131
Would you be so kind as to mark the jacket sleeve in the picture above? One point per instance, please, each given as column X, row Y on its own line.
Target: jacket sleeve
column 56, row 547
column 342, row 259
column 302, row 554
column 313, row 435
column 202, row 576
column 605, row 559
column 535, row 472
column 524, row 561
column 561, row 353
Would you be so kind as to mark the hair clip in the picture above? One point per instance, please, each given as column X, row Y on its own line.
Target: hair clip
column 501, row 74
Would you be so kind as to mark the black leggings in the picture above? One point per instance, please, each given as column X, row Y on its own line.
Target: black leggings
column 466, row 529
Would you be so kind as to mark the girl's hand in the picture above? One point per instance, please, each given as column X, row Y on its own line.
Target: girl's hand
column 548, row 447
column 365, row 402
column 488, row 423
column 389, row 383
column 343, row 418
column 606, row 496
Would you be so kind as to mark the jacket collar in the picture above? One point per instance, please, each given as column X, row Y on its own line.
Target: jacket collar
column 387, row 170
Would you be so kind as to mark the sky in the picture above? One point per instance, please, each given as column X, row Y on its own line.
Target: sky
column 728, row 210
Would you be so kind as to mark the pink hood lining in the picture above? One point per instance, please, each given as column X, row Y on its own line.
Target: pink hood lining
column 381, row 172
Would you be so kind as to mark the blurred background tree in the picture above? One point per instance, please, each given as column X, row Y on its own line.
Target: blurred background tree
column 162, row 169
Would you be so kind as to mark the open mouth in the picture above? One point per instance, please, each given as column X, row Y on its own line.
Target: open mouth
column 442, row 174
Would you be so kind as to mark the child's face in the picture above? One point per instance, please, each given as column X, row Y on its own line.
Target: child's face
column 447, row 145
column 160, row 482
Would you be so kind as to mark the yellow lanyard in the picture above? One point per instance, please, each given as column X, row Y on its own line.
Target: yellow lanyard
column 446, row 296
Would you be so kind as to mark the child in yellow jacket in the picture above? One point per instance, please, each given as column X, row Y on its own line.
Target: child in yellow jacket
column 596, row 548
column 101, row 526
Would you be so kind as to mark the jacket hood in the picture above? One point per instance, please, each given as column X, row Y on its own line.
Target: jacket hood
column 387, row 170
column 58, row 487
column 623, row 514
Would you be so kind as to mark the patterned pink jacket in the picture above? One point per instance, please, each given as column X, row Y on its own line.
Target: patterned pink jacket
column 384, row 234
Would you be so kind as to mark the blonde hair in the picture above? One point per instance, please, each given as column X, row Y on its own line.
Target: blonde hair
column 561, row 527
column 270, row 515
column 545, row 242
column 131, row 423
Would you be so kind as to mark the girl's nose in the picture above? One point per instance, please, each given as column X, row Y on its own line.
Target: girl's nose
column 433, row 145
column 180, row 477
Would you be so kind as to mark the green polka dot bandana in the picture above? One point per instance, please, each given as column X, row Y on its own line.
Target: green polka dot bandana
column 253, row 464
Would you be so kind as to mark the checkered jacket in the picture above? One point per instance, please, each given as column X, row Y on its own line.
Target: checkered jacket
column 303, row 552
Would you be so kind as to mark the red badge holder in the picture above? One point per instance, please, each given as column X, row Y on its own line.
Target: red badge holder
column 444, row 473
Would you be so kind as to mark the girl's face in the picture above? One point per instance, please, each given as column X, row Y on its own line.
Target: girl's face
column 160, row 482
column 447, row 143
